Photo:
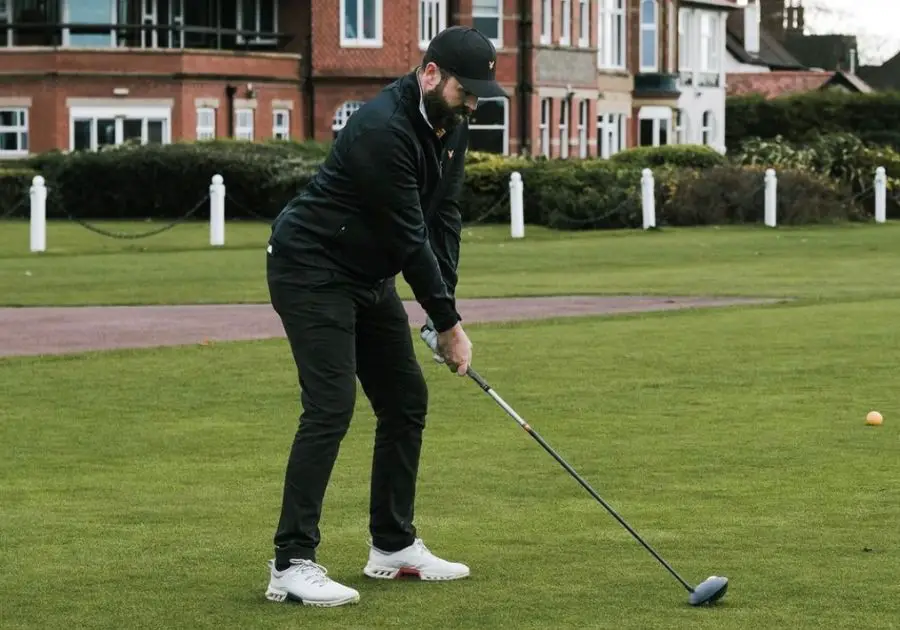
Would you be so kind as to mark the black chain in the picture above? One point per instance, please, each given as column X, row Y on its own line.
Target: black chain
column 154, row 232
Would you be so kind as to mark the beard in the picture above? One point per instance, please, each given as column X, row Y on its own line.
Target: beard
column 440, row 114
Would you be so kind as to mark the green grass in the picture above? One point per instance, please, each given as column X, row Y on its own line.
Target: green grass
column 178, row 266
column 141, row 488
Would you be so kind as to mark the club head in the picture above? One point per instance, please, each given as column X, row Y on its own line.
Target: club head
column 709, row 590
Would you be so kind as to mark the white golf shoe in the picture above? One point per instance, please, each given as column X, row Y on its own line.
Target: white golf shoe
column 415, row 561
column 308, row 583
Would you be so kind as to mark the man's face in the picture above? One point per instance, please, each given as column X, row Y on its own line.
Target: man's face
column 446, row 101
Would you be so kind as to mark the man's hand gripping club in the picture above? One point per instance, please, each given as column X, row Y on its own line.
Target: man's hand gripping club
column 451, row 347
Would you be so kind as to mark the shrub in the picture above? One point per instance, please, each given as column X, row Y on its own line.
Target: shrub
column 734, row 194
column 168, row 181
column 14, row 191
column 689, row 156
column 800, row 117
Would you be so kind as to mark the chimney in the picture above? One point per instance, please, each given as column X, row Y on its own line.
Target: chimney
column 852, row 61
column 751, row 27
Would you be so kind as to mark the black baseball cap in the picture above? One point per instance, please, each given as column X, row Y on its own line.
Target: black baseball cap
column 469, row 56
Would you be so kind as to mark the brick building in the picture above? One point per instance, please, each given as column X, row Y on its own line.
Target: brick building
column 585, row 77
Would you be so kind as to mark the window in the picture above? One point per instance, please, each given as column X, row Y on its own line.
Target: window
column 432, row 20
column 564, row 106
column 342, row 114
column 565, row 35
column 611, row 35
column 545, row 127
column 682, row 128
column 260, row 16
column 653, row 128
column 487, row 17
column 361, row 23
column 89, row 12
column 281, row 124
column 243, row 124
column 5, row 19
column 546, row 21
column 489, row 126
column 672, row 22
column 13, row 131
column 159, row 12
column 584, row 23
column 708, row 130
column 583, row 109
column 92, row 128
column 684, row 40
column 611, row 133
column 649, row 36
column 709, row 50
column 206, row 123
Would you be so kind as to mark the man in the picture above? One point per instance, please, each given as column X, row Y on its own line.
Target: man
column 385, row 202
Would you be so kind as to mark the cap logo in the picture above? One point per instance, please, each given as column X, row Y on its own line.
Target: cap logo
column 491, row 65
column 450, row 154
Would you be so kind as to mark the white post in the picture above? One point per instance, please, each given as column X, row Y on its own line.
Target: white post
column 771, row 197
column 217, row 211
column 516, row 205
column 880, row 195
column 648, row 194
column 38, row 195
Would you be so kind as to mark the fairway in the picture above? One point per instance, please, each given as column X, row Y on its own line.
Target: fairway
column 178, row 266
column 141, row 487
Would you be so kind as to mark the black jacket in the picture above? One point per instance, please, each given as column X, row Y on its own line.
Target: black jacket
column 384, row 202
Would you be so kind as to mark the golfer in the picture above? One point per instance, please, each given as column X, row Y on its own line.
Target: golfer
column 384, row 202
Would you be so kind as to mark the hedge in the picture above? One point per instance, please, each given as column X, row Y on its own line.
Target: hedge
column 801, row 117
column 694, row 185
column 14, row 186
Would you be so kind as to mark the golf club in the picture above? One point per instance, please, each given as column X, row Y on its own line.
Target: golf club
column 710, row 590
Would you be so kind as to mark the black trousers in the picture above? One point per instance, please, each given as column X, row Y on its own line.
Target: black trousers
column 338, row 331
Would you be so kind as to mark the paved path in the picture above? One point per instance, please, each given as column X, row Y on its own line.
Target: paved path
column 58, row 330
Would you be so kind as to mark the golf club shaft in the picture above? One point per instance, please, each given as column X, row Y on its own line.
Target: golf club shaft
column 509, row 410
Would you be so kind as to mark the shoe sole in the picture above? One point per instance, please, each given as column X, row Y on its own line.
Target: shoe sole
column 386, row 573
column 279, row 595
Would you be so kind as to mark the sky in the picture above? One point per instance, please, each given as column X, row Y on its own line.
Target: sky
column 874, row 22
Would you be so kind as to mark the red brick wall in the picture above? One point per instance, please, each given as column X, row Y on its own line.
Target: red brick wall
column 150, row 74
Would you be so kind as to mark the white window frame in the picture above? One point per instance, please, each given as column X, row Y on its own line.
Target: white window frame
column 672, row 23
column 565, row 107
column 66, row 18
column 496, row 127
column 708, row 128
column 546, row 21
column 498, row 15
column 150, row 15
column 546, row 108
column 120, row 113
column 432, row 20
column 257, row 27
column 206, row 123
column 584, row 23
column 244, row 130
column 565, row 31
column 611, row 23
column 682, row 126
column 583, row 116
column 281, row 131
column 610, row 126
column 20, row 129
column 360, row 41
column 646, row 27
column 658, row 114
column 343, row 113
column 685, row 58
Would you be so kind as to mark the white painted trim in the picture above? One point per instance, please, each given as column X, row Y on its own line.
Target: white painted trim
column 561, row 92
column 439, row 6
column 655, row 112
column 498, row 41
column 358, row 42
column 7, row 102
column 642, row 28
column 120, row 102
column 283, row 104
column 120, row 112
column 495, row 127
column 206, row 102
